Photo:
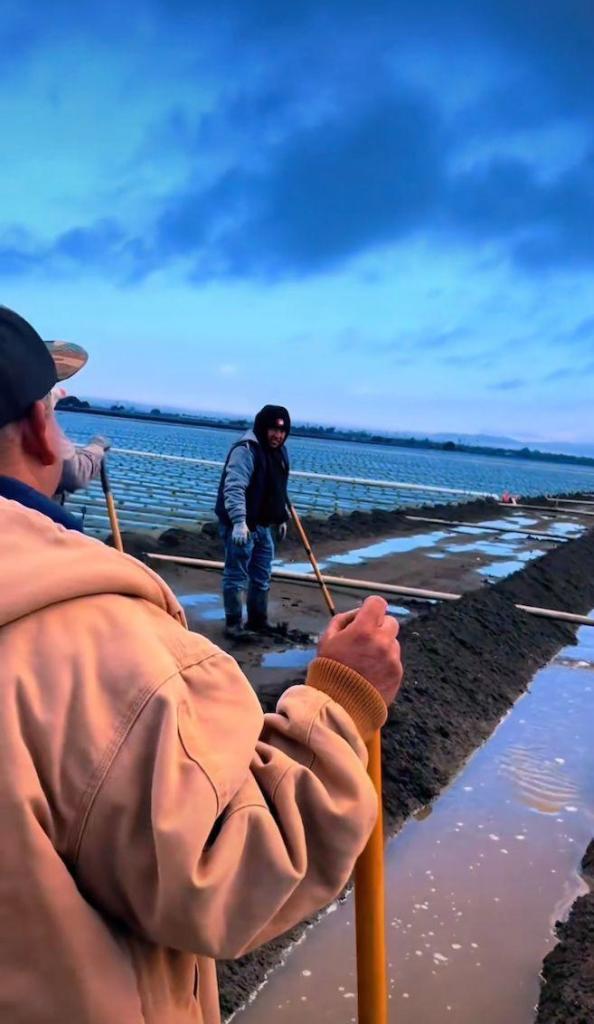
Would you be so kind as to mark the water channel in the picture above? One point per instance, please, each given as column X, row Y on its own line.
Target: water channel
column 475, row 883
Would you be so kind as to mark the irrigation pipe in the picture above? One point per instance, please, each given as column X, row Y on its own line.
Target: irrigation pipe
column 537, row 535
column 111, row 509
column 377, row 588
column 552, row 511
column 370, row 899
column 388, row 484
column 568, row 501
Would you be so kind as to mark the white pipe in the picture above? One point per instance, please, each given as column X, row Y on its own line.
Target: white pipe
column 388, row 484
column 549, row 509
column 535, row 534
column 381, row 588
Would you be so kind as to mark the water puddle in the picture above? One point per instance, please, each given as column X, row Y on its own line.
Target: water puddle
column 381, row 549
column 499, row 570
column 475, row 883
column 292, row 657
column 207, row 607
column 392, row 546
column 399, row 611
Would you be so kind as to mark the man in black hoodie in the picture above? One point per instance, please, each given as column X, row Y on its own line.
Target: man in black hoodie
column 252, row 498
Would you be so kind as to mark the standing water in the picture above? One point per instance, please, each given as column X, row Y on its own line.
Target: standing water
column 474, row 886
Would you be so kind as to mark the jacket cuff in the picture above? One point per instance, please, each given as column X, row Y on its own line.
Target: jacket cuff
column 352, row 691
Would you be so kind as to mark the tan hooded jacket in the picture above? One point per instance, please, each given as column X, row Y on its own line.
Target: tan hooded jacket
column 150, row 813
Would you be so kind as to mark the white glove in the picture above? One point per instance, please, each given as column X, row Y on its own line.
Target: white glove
column 282, row 532
column 240, row 534
column 101, row 442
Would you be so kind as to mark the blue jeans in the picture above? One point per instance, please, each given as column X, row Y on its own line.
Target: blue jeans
column 247, row 567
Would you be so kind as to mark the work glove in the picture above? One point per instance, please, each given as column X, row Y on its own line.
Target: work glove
column 101, row 442
column 282, row 532
column 240, row 534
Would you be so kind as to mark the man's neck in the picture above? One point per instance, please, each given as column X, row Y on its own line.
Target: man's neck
column 25, row 475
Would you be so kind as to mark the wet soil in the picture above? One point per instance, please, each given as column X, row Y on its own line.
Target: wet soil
column 465, row 662
column 567, row 991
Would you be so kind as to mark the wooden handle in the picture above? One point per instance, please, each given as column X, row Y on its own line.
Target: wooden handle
column 111, row 509
column 304, row 540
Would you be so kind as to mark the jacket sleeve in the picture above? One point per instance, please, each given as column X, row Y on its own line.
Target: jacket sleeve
column 238, row 474
column 83, row 467
column 218, row 828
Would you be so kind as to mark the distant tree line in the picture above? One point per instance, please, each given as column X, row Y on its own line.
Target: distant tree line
column 73, row 404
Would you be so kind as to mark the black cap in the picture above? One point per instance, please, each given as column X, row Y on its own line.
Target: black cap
column 29, row 366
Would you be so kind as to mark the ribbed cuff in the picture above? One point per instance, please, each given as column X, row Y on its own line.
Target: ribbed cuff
column 352, row 691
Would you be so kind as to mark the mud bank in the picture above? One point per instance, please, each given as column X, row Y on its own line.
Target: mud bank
column 205, row 542
column 567, row 991
column 466, row 663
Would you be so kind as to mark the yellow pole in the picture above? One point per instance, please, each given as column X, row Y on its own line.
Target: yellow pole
column 372, row 988
column 111, row 509
column 370, row 927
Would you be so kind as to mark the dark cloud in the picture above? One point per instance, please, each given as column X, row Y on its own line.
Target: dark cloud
column 321, row 152
column 359, row 179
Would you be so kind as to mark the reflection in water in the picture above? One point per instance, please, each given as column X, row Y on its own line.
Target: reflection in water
column 499, row 570
column 208, row 607
column 293, row 657
column 540, row 781
column 393, row 546
column 473, row 888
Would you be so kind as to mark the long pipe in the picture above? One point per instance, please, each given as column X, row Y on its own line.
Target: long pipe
column 398, row 485
column 377, row 588
column 568, row 501
column 552, row 511
column 491, row 529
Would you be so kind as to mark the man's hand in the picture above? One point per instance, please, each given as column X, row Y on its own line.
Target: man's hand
column 365, row 640
column 101, row 442
column 240, row 534
column 282, row 532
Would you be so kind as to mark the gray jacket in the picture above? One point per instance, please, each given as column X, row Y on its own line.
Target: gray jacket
column 240, row 468
column 83, row 466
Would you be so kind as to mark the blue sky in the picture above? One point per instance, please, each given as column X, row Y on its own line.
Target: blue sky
column 376, row 213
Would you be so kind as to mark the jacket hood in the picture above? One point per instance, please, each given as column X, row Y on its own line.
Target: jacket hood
column 271, row 416
column 43, row 564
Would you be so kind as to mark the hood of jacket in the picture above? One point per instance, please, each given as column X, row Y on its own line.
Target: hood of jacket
column 44, row 564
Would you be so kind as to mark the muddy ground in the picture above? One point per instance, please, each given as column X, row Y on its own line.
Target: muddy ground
column 567, row 991
column 465, row 662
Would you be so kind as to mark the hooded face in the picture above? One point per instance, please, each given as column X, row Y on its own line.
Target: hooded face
column 272, row 426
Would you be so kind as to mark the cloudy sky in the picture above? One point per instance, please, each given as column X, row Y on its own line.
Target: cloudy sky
column 377, row 213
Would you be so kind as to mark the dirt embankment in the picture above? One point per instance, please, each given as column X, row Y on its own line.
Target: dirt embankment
column 354, row 527
column 567, row 991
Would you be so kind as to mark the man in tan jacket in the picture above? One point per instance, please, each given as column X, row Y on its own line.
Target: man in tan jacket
column 152, row 816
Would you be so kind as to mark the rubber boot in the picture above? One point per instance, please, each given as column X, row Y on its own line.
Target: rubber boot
column 257, row 613
column 234, row 629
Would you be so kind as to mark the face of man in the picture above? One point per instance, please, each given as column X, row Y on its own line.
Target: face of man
column 276, row 437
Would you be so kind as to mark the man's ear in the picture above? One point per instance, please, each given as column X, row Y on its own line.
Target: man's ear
column 38, row 435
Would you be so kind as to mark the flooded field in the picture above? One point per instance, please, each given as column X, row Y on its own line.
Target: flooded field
column 476, row 882
column 152, row 494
